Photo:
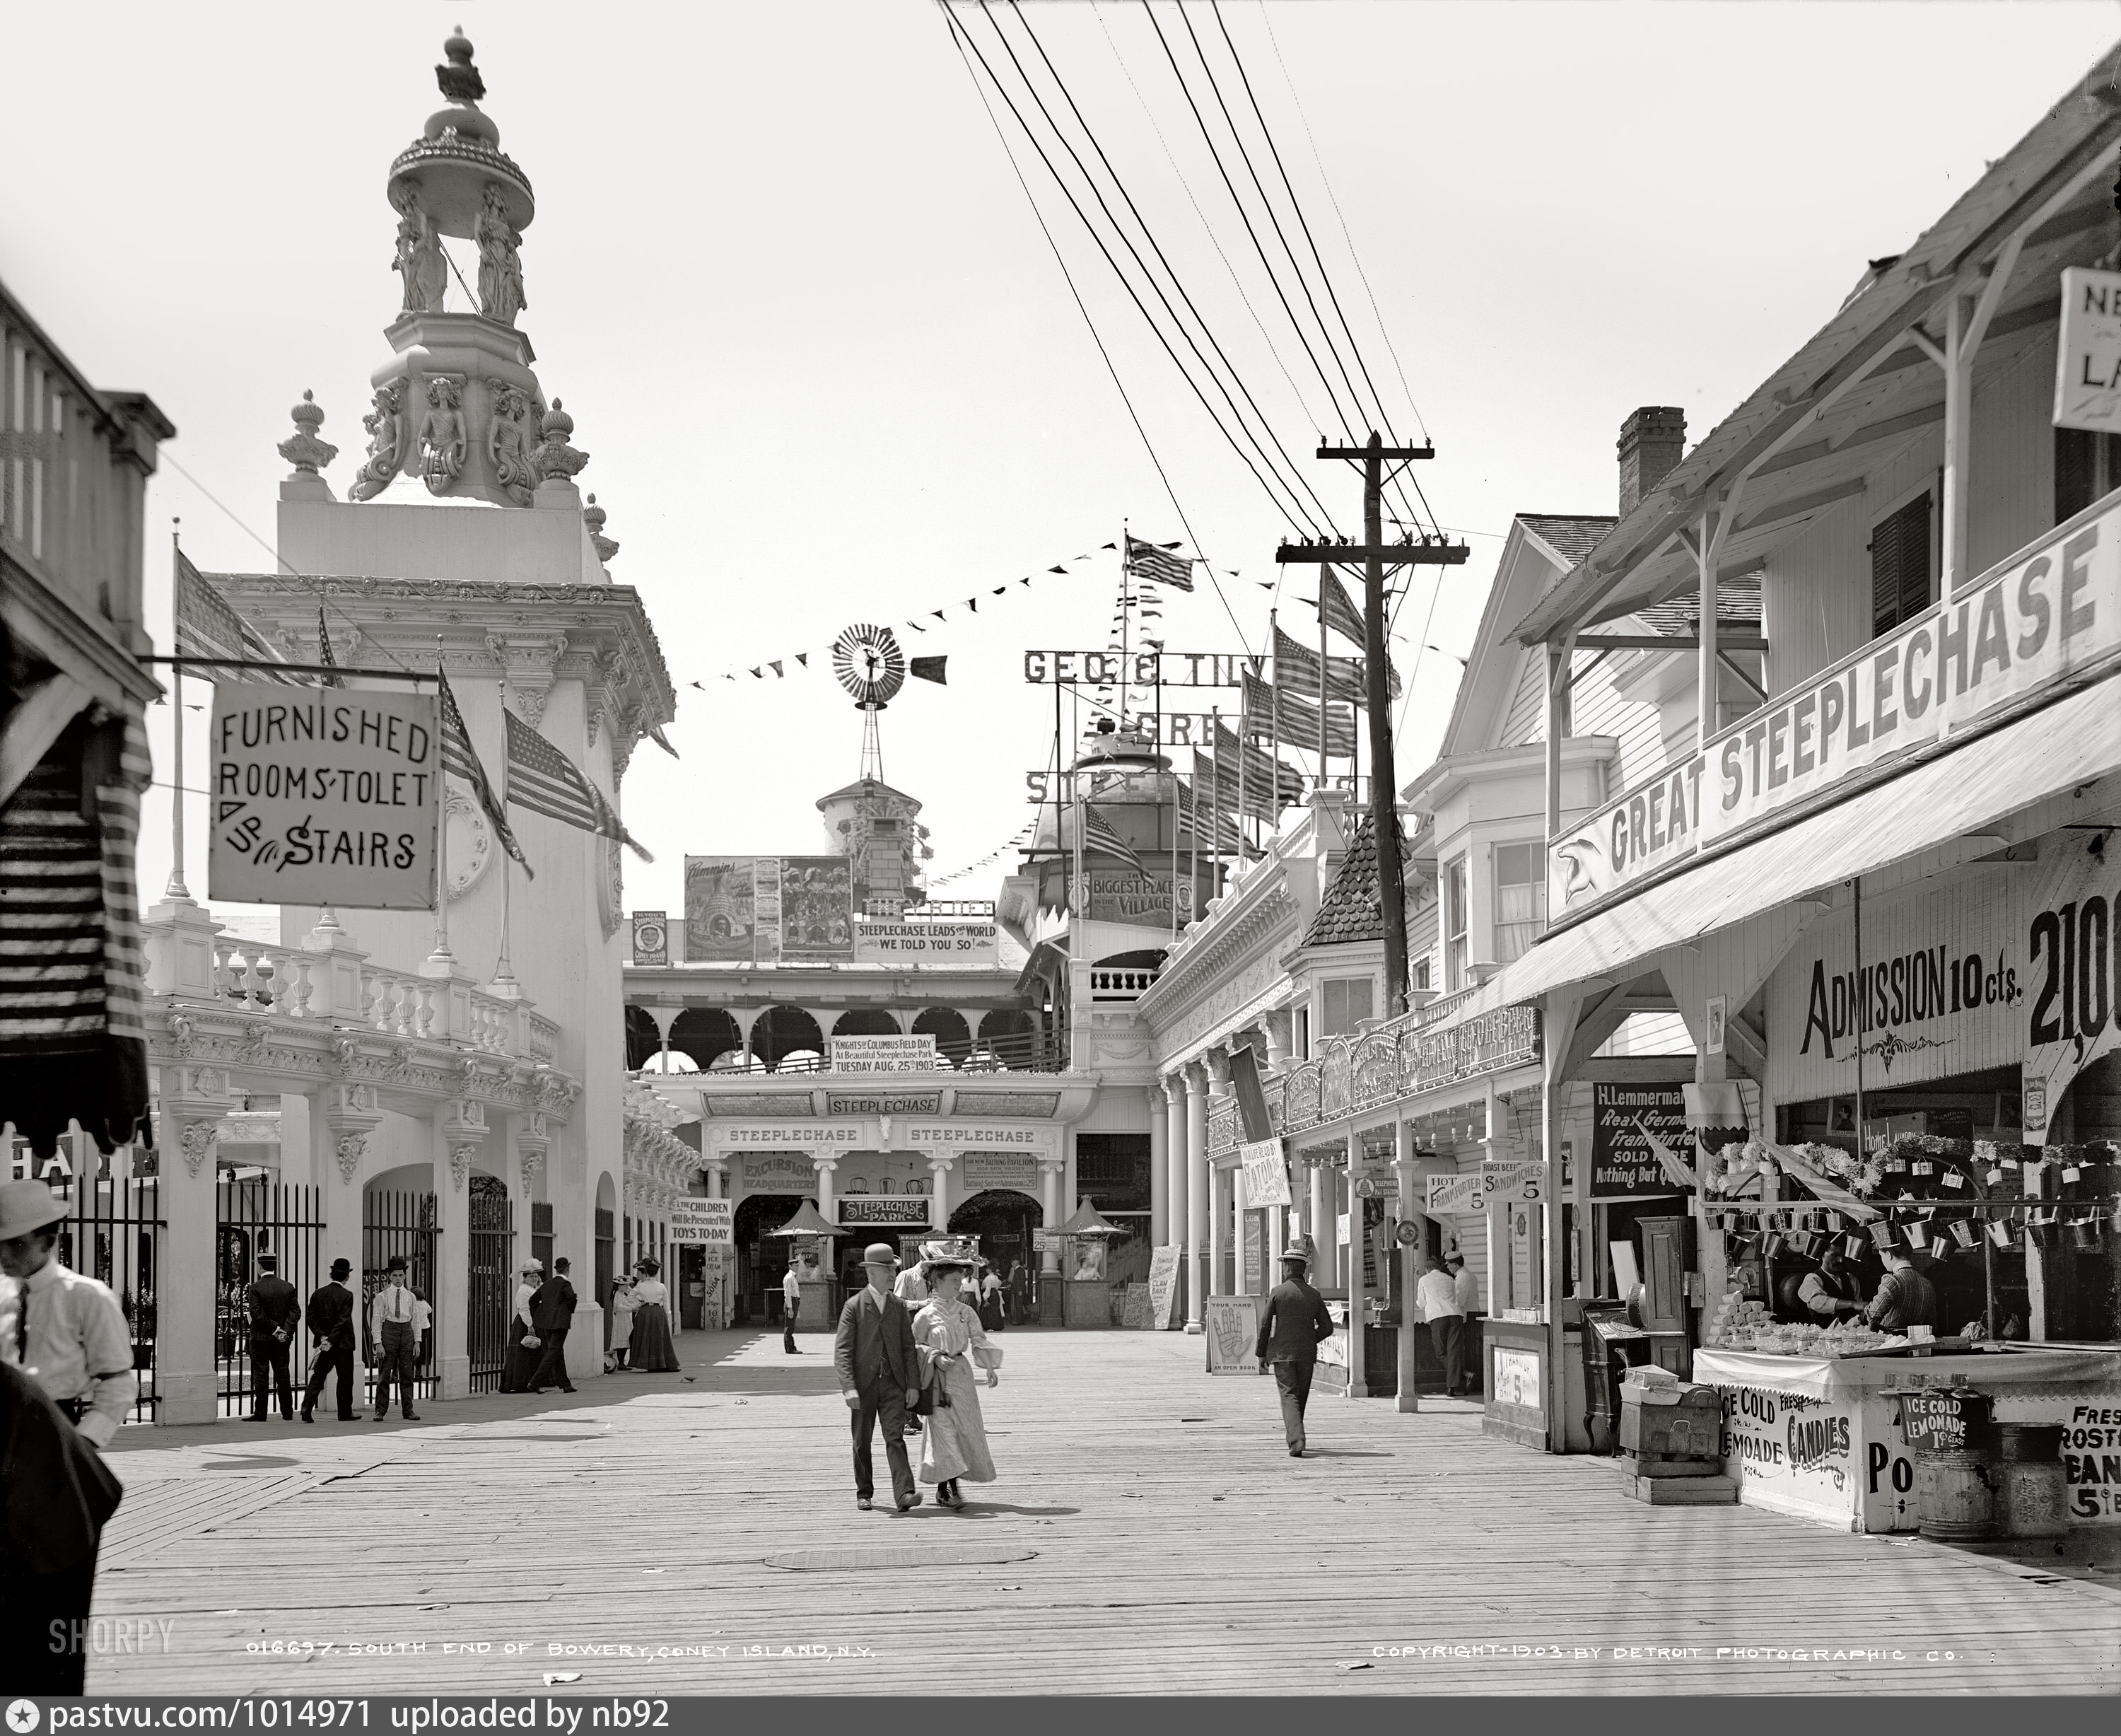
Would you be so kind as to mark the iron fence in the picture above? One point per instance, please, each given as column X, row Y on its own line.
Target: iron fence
column 115, row 1232
column 491, row 1285
column 393, row 1224
column 254, row 1216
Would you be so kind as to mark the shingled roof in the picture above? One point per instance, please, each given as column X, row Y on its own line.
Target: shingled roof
column 1737, row 603
column 1570, row 535
column 1351, row 910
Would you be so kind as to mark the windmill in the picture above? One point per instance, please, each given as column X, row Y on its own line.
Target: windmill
column 870, row 666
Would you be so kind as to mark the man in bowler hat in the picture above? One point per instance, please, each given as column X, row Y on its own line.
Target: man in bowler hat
column 330, row 1318
column 551, row 1312
column 879, row 1375
column 1295, row 1324
column 275, row 1311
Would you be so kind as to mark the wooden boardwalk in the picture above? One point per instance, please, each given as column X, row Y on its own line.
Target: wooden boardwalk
column 1164, row 1542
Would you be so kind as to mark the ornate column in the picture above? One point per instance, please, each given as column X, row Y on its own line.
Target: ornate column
column 342, row 1117
column 717, row 1169
column 1049, row 1200
column 1320, row 1224
column 1160, row 1177
column 1174, row 1145
column 1409, row 1259
column 193, row 1099
column 459, row 1134
column 1196, row 1196
column 938, row 1169
column 1352, row 1254
column 827, row 1208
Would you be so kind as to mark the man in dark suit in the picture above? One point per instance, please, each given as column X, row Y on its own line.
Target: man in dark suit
column 551, row 1312
column 275, row 1311
column 1295, row 1324
column 330, row 1318
column 879, row 1375
column 55, row 1498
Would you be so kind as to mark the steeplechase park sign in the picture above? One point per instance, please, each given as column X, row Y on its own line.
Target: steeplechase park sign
column 331, row 799
column 2049, row 610
column 1138, row 668
column 884, row 1210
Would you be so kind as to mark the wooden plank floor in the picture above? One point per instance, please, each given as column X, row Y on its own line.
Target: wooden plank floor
column 1178, row 1548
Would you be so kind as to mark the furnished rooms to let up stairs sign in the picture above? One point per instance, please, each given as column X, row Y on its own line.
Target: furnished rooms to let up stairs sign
column 324, row 797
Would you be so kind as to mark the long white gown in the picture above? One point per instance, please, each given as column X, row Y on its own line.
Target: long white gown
column 956, row 1442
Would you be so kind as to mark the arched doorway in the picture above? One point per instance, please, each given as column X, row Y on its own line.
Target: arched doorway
column 865, row 1021
column 642, row 1038
column 781, row 1031
column 946, row 1024
column 1011, row 1037
column 761, row 1258
column 1003, row 1220
column 705, row 1032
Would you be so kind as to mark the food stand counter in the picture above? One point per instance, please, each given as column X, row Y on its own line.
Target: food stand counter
column 1820, row 1437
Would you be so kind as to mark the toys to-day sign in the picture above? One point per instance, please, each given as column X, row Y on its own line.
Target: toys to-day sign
column 324, row 797
column 699, row 1223
column 1629, row 1123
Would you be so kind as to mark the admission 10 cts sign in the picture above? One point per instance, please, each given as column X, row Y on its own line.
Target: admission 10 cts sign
column 329, row 797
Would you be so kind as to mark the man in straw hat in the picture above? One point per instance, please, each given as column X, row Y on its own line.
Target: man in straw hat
column 64, row 1330
column 879, row 1375
column 1295, row 1324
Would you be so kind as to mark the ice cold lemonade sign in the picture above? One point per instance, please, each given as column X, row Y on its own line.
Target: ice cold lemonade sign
column 324, row 798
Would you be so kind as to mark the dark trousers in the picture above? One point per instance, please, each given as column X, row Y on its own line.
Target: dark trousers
column 553, row 1366
column 884, row 1404
column 339, row 1357
column 788, row 1325
column 1447, row 1337
column 43, row 1631
column 269, row 1378
column 397, row 1358
column 1293, row 1379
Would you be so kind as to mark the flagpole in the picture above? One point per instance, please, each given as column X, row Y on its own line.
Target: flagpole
column 1325, row 573
column 503, row 983
column 1174, row 858
column 1273, row 629
column 441, row 955
column 1075, row 797
column 1125, row 625
column 1244, row 813
column 1060, row 823
column 176, row 890
column 1215, row 779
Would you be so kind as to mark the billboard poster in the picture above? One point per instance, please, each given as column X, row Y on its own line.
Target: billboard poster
column 817, row 900
column 765, row 909
column 720, row 909
column 699, row 1223
column 1144, row 899
column 651, row 937
column 924, row 943
column 323, row 796
column 1630, row 1123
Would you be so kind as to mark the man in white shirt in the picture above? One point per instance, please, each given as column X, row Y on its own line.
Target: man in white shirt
column 912, row 1287
column 791, row 1304
column 1437, row 1296
column 394, row 1326
column 64, row 1330
column 1467, row 1285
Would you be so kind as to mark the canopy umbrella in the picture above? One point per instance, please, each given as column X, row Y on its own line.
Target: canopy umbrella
column 1089, row 1221
column 808, row 1221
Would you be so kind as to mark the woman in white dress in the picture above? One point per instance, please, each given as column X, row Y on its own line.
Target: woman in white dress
column 523, row 1347
column 622, row 1325
column 952, row 1346
column 654, row 1350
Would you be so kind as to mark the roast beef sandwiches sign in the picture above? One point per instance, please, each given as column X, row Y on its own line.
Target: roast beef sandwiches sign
column 324, row 797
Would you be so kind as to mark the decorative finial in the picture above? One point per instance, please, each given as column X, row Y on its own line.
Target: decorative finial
column 592, row 515
column 459, row 80
column 302, row 448
column 555, row 460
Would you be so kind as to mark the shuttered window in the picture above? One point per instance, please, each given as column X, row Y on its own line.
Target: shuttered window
column 2087, row 466
column 1899, row 566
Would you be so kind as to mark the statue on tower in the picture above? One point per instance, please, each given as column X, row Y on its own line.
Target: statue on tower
column 420, row 260
column 499, row 270
column 386, row 443
column 442, row 434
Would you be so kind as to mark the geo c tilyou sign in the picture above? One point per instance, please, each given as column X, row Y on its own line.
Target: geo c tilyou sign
column 324, row 797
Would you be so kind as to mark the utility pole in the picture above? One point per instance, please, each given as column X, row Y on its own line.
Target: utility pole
column 1376, row 555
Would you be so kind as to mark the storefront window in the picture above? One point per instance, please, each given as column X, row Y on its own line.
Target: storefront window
column 1520, row 899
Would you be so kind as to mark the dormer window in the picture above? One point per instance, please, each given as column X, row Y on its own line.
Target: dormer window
column 1344, row 1002
column 1454, row 924
column 1520, row 899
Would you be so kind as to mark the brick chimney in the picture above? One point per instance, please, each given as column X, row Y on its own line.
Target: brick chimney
column 1653, row 442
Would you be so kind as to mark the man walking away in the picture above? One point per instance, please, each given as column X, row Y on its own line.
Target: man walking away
column 56, row 1496
column 879, row 1375
column 552, row 1311
column 1295, row 1324
column 275, row 1311
column 394, row 1328
column 329, row 1317
column 65, row 1331
column 791, row 1304
column 1437, row 1296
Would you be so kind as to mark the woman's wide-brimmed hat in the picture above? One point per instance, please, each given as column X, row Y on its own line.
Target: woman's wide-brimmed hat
column 951, row 1251
column 27, row 1206
column 537, row 1265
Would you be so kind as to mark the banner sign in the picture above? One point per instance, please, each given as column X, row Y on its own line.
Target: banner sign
column 881, row 1054
column 2049, row 610
column 2072, row 1008
column 1266, row 1173
column 980, row 1171
column 877, row 1103
column 651, row 937
column 703, row 1222
column 2088, row 353
column 792, row 1136
column 884, row 1210
column 763, row 909
column 1449, row 1195
column 1144, row 899
column 1626, row 1119
column 1164, row 1289
column 323, row 796
column 924, row 943
column 1487, row 1043
column 1137, row 669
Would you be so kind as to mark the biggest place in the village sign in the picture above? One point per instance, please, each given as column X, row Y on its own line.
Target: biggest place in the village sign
column 324, row 797
column 2050, row 609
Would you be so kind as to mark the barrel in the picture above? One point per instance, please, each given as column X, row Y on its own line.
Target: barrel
column 2032, row 1491
column 1954, row 1496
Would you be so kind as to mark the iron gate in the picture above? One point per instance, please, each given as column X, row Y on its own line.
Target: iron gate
column 492, row 1284
column 114, row 1233
column 254, row 1217
column 393, row 1224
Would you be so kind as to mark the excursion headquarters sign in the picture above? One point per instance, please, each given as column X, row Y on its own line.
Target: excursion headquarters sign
column 324, row 798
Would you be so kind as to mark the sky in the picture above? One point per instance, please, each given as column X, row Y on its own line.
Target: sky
column 828, row 370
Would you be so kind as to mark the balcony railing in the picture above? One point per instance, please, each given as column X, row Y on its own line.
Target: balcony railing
column 1128, row 984
column 1022, row 1054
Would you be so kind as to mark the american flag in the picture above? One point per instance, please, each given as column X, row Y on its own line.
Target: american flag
column 1158, row 566
column 209, row 626
column 1294, row 721
column 544, row 780
column 1335, row 608
column 1098, row 834
column 325, row 650
column 459, row 757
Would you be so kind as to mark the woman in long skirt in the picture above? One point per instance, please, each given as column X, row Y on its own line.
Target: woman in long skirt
column 990, row 1301
column 654, row 1350
column 953, row 1346
column 522, row 1363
